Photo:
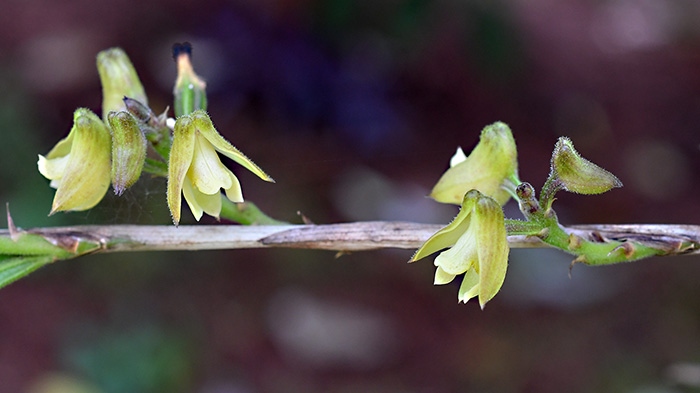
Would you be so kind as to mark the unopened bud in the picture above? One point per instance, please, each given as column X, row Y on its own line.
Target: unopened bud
column 576, row 174
column 119, row 80
column 190, row 89
column 128, row 150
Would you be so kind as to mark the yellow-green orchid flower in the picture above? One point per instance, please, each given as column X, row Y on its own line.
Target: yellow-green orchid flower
column 478, row 248
column 195, row 170
column 79, row 165
column 492, row 163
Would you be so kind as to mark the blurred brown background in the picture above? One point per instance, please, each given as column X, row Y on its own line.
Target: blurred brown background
column 355, row 108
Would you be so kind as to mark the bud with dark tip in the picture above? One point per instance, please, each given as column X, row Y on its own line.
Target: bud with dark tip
column 190, row 89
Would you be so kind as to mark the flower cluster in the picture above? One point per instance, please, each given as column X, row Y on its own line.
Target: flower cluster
column 476, row 238
column 130, row 139
column 114, row 149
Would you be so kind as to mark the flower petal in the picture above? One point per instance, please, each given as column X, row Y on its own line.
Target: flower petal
column 206, row 172
column 458, row 158
column 442, row 277
column 206, row 127
column 461, row 256
column 470, row 286
column 201, row 203
column 234, row 193
column 448, row 236
column 191, row 199
column 53, row 168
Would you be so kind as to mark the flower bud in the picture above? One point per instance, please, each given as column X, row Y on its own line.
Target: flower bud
column 576, row 174
column 119, row 80
column 190, row 89
column 489, row 166
column 128, row 150
column 79, row 165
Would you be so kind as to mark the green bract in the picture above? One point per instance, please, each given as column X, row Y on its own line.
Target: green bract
column 492, row 162
column 195, row 170
column 79, row 165
column 478, row 247
column 576, row 174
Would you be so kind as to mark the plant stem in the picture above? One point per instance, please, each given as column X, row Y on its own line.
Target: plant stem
column 355, row 236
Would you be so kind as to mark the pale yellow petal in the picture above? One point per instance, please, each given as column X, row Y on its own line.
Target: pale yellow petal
column 461, row 256
column 188, row 192
column 458, row 157
column 442, row 277
column 447, row 236
column 470, row 286
column 53, row 168
column 234, row 193
column 199, row 202
column 207, row 173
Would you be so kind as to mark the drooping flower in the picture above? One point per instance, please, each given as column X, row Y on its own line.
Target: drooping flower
column 79, row 165
column 195, row 170
column 478, row 248
column 491, row 164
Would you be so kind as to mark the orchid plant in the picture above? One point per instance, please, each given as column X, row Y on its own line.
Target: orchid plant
column 130, row 139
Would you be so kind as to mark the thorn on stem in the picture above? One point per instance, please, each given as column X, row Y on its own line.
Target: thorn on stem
column 304, row 219
column 579, row 259
column 14, row 232
column 627, row 249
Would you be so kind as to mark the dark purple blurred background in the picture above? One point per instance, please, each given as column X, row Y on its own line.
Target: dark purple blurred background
column 355, row 108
